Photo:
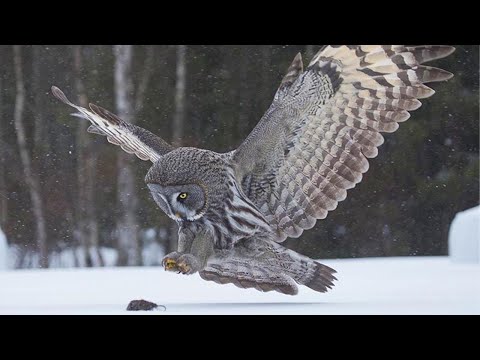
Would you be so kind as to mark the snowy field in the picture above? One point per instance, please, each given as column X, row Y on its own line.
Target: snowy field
column 366, row 286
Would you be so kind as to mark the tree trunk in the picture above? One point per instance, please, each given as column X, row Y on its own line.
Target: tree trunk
column 310, row 53
column 144, row 79
column 3, row 150
column 180, row 96
column 39, row 100
column 31, row 177
column 244, row 95
column 178, row 130
column 87, row 226
column 129, row 247
column 265, row 97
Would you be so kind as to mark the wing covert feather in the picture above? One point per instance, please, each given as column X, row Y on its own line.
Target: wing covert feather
column 312, row 145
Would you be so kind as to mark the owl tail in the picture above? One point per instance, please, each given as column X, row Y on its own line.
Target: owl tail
column 317, row 277
column 306, row 271
column 272, row 268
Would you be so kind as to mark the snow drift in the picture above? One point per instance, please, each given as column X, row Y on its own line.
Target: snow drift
column 464, row 237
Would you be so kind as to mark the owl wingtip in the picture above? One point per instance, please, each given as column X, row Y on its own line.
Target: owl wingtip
column 450, row 50
column 297, row 63
column 294, row 71
column 56, row 91
column 60, row 95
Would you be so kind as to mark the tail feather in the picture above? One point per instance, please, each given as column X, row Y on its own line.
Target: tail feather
column 322, row 278
column 304, row 270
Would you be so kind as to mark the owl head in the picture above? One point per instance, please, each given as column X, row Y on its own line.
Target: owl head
column 186, row 183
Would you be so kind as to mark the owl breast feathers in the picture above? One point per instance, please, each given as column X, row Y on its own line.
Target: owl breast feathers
column 310, row 147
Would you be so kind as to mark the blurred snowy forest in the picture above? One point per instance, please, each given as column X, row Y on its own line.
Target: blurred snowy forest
column 64, row 191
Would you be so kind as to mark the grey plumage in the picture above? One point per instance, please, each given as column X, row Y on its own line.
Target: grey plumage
column 310, row 147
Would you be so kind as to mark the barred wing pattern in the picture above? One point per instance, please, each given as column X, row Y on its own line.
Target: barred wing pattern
column 313, row 143
column 131, row 138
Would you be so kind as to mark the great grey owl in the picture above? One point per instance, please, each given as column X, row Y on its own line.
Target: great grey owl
column 234, row 209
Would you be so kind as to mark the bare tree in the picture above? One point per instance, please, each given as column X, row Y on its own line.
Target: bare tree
column 129, row 247
column 3, row 184
column 87, row 225
column 144, row 79
column 31, row 177
column 244, row 95
column 39, row 100
column 180, row 96
column 310, row 53
column 265, row 100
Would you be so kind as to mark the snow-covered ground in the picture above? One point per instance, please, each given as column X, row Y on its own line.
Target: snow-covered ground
column 417, row 285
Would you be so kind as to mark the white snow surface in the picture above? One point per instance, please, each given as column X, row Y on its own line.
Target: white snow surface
column 410, row 285
column 464, row 237
column 3, row 251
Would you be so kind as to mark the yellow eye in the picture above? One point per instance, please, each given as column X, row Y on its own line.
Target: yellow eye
column 183, row 196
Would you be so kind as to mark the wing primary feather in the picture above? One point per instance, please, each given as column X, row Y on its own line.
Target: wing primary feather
column 60, row 95
column 313, row 143
column 294, row 71
column 131, row 138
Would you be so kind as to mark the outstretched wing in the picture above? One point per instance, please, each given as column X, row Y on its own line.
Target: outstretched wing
column 313, row 143
column 131, row 138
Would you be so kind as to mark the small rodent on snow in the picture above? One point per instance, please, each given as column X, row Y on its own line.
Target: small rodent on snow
column 142, row 305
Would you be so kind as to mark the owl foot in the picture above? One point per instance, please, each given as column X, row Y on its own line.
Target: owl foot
column 170, row 265
column 183, row 268
column 169, row 262
column 188, row 264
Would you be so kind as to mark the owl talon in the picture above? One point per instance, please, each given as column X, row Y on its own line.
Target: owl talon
column 188, row 264
column 184, row 268
column 170, row 264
